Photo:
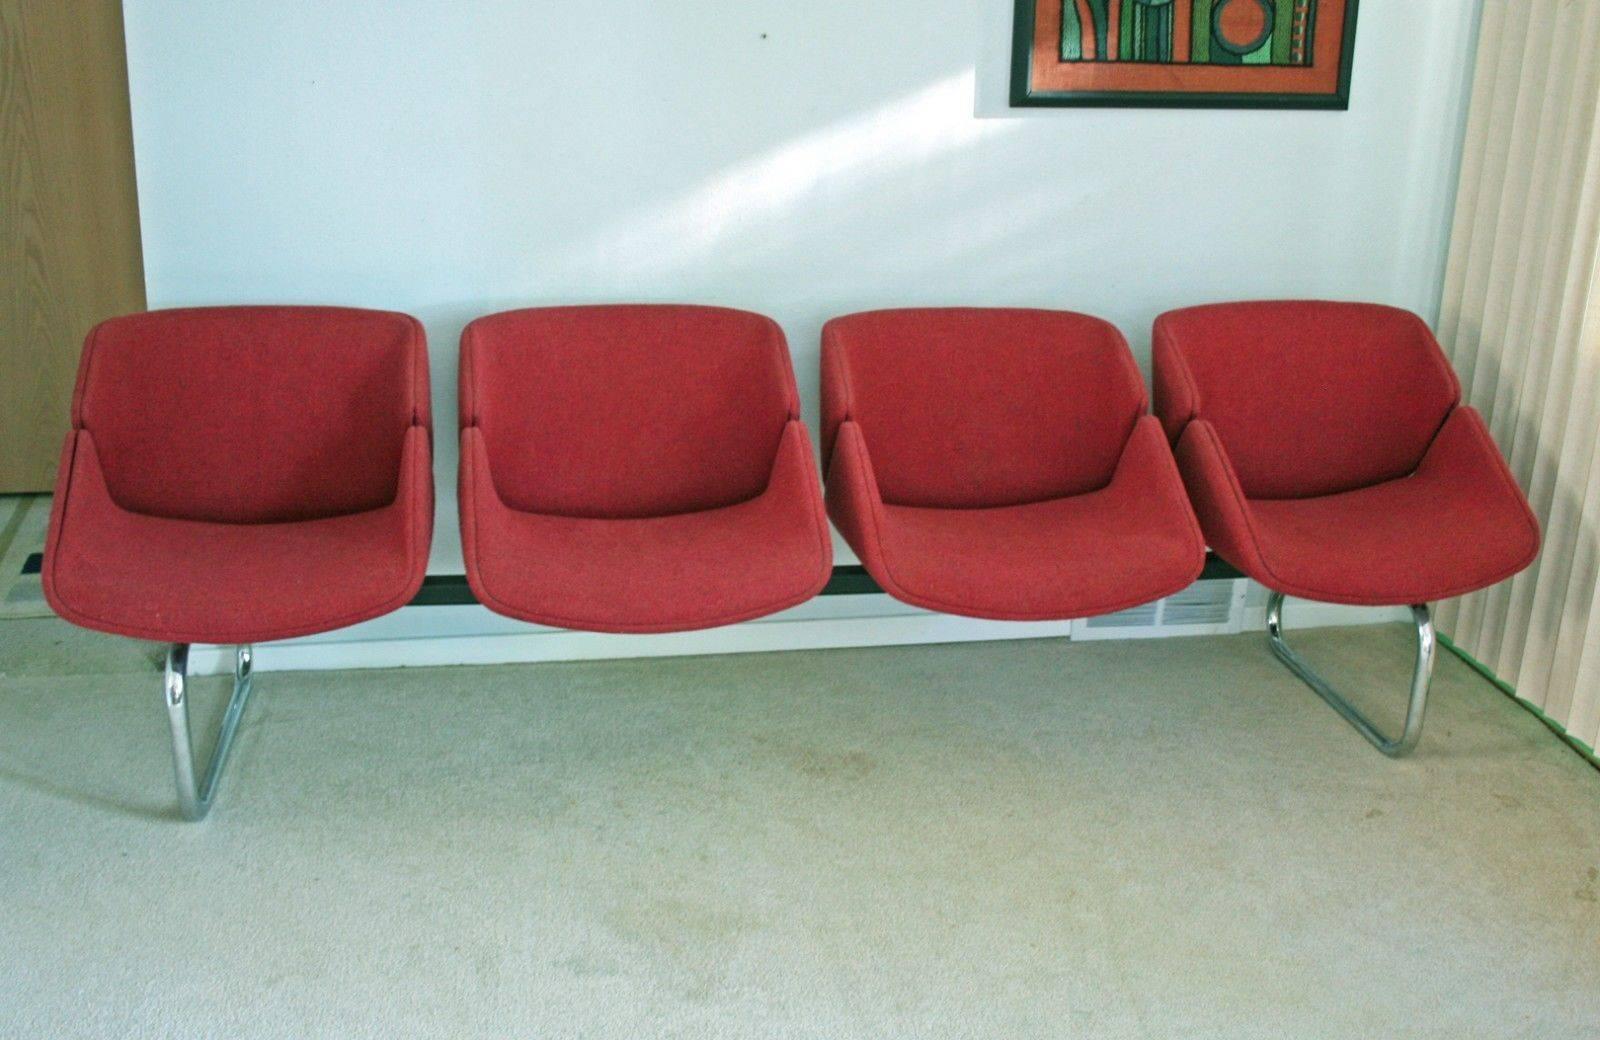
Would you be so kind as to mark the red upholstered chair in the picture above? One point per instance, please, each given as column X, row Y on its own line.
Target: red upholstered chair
column 1328, row 456
column 1000, row 464
column 241, row 474
column 636, row 469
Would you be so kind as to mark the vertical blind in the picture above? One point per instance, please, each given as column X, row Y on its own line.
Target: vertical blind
column 1521, row 320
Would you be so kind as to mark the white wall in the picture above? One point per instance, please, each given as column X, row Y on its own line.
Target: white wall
column 803, row 159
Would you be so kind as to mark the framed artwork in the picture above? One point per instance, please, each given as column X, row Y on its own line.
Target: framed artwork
column 1184, row 53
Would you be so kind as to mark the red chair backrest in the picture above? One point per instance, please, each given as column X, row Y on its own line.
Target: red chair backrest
column 974, row 407
column 252, row 414
column 627, row 411
column 1309, row 398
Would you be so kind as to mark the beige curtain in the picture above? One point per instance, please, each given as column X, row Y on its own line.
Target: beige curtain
column 1521, row 319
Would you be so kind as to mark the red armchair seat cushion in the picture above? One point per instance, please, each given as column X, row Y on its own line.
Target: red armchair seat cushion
column 994, row 463
column 636, row 469
column 196, row 581
column 1095, row 553
column 1457, row 524
column 668, row 573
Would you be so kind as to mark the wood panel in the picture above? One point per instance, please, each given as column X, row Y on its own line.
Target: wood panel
column 69, row 219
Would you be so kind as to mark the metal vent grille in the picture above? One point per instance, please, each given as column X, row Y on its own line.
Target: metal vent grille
column 1204, row 608
column 1203, row 603
column 1138, row 617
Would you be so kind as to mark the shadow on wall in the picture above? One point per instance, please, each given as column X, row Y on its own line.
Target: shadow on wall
column 744, row 206
column 833, row 219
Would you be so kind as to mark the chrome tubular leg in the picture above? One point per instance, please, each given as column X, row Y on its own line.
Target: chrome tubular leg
column 1420, row 680
column 195, row 799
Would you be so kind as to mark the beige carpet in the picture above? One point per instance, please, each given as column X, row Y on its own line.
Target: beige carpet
column 1147, row 840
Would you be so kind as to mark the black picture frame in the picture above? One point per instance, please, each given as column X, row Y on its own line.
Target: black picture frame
column 1024, row 96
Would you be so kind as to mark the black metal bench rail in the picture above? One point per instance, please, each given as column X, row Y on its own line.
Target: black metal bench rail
column 450, row 590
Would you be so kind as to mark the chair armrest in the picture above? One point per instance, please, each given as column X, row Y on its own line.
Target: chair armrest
column 1147, row 458
column 1464, row 447
column 80, row 490
column 854, row 501
column 478, row 503
column 852, row 484
column 794, row 486
column 1219, row 501
column 414, row 497
column 1147, row 469
column 1464, row 440
column 794, row 461
column 794, row 476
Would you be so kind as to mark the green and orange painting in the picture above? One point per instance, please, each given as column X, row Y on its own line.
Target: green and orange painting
column 1271, row 53
column 1221, row 32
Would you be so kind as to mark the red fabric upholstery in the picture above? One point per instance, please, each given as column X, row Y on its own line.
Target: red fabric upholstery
column 1069, row 533
column 627, row 411
column 1455, row 521
column 1309, row 397
column 969, row 407
column 252, row 414
column 226, row 527
column 636, row 469
column 652, row 574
